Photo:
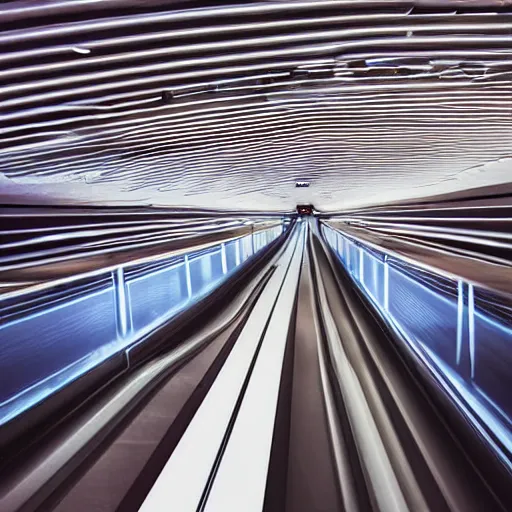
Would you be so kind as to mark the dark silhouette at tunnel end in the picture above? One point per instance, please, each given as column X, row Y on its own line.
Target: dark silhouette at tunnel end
column 305, row 209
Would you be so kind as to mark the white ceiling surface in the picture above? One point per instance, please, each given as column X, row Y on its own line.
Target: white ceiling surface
column 370, row 101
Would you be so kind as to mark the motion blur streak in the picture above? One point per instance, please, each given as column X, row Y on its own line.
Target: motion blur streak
column 85, row 322
column 255, row 256
column 204, row 104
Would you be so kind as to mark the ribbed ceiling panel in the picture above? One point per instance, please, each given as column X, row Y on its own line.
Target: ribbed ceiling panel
column 209, row 105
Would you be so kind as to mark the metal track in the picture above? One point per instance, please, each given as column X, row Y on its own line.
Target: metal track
column 307, row 404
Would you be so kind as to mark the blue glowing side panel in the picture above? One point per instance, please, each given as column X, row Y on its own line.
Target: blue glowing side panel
column 493, row 351
column 373, row 274
column 48, row 342
column 232, row 254
column 203, row 271
column 424, row 316
column 246, row 245
column 41, row 352
column 152, row 295
column 471, row 345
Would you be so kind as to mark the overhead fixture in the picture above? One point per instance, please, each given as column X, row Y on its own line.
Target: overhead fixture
column 81, row 50
column 167, row 96
column 302, row 184
column 305, row 209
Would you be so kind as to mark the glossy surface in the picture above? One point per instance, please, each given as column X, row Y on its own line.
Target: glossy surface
column 227, row 104
column 51, row 340
column 465, row 332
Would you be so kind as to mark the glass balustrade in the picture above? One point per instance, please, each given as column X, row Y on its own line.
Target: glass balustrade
column 49, row 339
column 461, row 329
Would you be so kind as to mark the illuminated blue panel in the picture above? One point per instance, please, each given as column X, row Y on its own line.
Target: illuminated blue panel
column 470, row 344
column 216, row 265
column 52, row 347
column 354, row 260
column 205, row 269
column 153, row 295
column 424, row 315
column 47, row 342
column 370, row 275
column 258, row 241
column 246, row 245
column 232, row 250
column 374, row 278
column 493, row 361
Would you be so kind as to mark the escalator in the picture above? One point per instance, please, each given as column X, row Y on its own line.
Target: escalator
column 293, row 396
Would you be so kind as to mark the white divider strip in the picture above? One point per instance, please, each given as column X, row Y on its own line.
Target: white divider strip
column 242, row 475
column 180, row 485
column 381, row 477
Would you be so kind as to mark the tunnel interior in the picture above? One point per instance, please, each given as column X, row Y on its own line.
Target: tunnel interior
column 255, row 255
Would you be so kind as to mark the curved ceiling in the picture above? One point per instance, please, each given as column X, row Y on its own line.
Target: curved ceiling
column 223, row 105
